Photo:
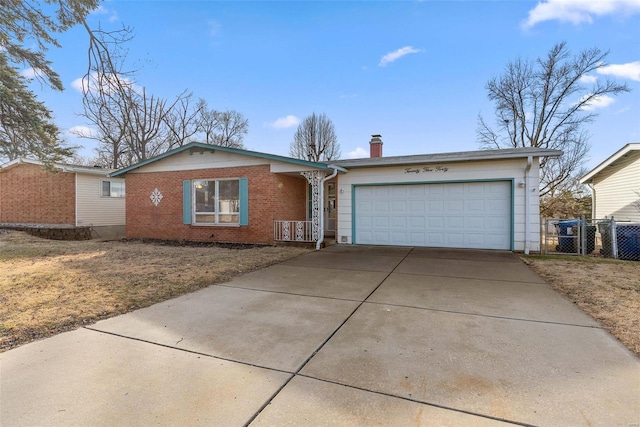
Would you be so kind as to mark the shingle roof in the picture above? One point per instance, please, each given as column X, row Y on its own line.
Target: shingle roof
column 462, row 156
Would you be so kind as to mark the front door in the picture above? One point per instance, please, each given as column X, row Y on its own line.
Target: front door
column 330, row 210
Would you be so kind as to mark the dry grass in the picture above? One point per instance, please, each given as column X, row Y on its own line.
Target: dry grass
column 607, row 290
column 48, row 286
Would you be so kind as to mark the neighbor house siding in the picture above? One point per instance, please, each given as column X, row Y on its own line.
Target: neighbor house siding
column 616, row 187
column 269, row 197
column 512, row 169
column 92, row 208
column 32, row 195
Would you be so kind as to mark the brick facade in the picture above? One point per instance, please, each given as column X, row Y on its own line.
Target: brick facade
column 29, row 194
column 271, row 197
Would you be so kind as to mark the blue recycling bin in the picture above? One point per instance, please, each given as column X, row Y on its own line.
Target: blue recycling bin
column 628, row 237
column 567, row 236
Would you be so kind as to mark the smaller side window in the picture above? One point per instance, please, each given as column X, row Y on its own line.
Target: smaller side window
column 112, row 189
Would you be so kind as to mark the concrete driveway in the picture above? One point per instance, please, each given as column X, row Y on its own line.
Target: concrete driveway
column 350, row 335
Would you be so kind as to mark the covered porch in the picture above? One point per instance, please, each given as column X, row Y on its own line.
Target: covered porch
column 320, row 210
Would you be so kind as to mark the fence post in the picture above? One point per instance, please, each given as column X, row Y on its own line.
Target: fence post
column 583, row 236
column 614, row 238
column 543, row 235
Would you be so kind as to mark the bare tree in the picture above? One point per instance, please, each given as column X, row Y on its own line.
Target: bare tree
column 231, row 129
column 545, row 103
column 315, row 140
column 225, row 128
column 182, row 121
column 147, row 135
column 131, row 125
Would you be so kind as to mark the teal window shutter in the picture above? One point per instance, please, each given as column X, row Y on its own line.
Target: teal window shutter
column 186, row 201
column 244, row 201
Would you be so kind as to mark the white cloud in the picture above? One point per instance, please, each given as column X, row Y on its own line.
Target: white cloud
column 630, row 70
column 601, row 101
column 84, row 83
column 214, row 27
column 285, row 122
column 31, row 73
column 588, row 79
column 101, row 10
column 78, row 84
column 82, row 131
column 395, row 55
column 578, row 11
column 358, row 153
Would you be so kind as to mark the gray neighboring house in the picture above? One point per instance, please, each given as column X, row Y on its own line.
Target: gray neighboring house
column 615, row 185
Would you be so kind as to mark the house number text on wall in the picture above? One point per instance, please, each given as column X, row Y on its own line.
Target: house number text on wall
column 426, row 169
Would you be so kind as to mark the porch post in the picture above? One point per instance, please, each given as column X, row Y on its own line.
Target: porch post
column 315, row 179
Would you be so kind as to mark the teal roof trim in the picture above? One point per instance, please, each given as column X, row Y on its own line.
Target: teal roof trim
column 213, row 148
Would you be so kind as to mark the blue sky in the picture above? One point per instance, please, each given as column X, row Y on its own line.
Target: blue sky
column 412, row 71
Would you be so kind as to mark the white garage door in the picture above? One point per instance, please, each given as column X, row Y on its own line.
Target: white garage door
column 452, row 215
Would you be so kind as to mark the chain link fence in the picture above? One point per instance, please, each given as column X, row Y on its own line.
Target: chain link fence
column 604, row 237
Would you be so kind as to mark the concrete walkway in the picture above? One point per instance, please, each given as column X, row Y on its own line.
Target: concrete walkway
column 349, row 335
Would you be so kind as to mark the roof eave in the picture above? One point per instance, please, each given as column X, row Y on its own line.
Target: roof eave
column 210, row 147
column 609, row 161
column 62, row 167
column 443, row 158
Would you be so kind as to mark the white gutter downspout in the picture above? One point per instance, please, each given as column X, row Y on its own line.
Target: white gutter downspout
column 593, row 199
column 321, row 195
column 527, row 209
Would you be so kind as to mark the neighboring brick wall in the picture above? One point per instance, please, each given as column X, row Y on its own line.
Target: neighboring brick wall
column 267, row 201
column 30, row 194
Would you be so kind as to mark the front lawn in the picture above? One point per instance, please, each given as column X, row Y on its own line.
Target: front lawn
column 51, row 286
column 608, row 290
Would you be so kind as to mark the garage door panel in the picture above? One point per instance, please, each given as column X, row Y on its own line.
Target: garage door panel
column 455, row 239
column 398, row 238
column 416, row 191
column 474, row 239
column 399, row 206
column 417, row 239
column 365, row 223
column 455, row 223
column 454, row 190
column 499, row 208
column 494, row 223
column 435, row 239
column 381, row 222
column 382, row 237
column 416, row 222
column 398, row 192
column 475, row 205
column 381, row 206
column 399, row 222
column 475, row 222
column 464, row 215
column 454, row 206
column 364, row 207
column 436, row 223
column 435, row 206
column 417, row 206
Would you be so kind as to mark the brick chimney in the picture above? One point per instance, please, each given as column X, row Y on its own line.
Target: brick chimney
column 375, row 146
